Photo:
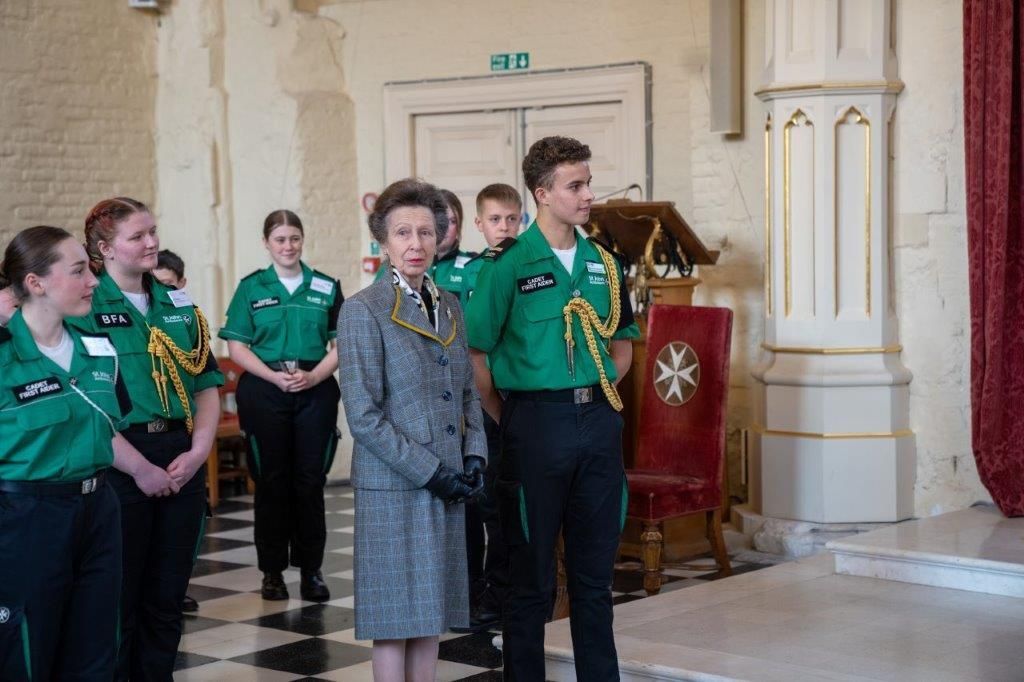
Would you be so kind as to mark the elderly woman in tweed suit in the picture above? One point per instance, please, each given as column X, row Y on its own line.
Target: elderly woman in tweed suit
column 420, row 449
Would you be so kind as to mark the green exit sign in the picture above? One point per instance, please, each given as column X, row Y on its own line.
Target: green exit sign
column 510, row 61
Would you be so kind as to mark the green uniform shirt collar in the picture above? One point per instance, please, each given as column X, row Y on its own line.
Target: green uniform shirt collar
column 25, row 345
column 269, row 276
column 537, row 248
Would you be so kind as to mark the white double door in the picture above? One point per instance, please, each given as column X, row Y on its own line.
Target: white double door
column 464, row 152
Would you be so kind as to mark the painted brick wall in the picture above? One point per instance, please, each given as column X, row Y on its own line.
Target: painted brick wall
column 76, row 111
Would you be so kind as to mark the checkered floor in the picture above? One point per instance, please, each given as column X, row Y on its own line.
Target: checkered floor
column 236, row 635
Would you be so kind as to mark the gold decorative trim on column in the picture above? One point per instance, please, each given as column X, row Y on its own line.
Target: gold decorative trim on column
column 831, row 86
column 768, row 213
column 807, row 350
column 899, row 433
column 859, row 119
column 798, row 118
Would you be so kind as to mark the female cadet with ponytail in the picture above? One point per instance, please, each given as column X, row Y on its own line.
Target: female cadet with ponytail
column 60, row 539
column 280, row 324
column 163, row 344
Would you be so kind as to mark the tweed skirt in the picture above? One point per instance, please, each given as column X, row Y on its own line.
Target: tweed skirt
column 411, row 578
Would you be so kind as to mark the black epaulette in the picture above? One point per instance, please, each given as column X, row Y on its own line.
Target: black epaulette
column 253, row 273
column 499, row 249
column 476, row 256
column 622, row 258
column 5, row 335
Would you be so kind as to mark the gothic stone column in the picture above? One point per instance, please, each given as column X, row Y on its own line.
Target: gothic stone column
column 832, row 442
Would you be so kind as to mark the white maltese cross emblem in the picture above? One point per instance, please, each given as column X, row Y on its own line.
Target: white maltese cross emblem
column 676, row 373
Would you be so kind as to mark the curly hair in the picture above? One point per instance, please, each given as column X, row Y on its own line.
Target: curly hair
column 547, row 154
column 102, row 221
column 408, row 192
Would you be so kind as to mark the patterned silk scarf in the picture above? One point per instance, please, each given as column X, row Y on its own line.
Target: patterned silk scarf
column 428, row 296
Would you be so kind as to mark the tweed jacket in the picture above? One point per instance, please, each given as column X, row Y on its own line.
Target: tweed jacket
column 408, row 391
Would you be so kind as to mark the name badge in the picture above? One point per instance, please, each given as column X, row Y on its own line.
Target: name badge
column 108, row 320
column 529, row 285
column 268, row 302
column 324, row 286
column 595, row 267
column 98, row 346
column 460, row 261
column 179, row 297
column 37, row 389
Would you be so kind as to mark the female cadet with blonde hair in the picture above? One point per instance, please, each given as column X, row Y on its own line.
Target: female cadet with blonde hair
column 163, row 344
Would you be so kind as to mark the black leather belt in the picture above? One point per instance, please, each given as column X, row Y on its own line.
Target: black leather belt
column 586, row 394
column 304, row 365
column 157, row 426
column 48, row 488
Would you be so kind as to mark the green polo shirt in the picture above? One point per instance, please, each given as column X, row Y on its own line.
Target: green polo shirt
column 129, row 330
column 48, row 431
column 279, row 326
column 515, row 314
column 470, row 274
column 447, row 272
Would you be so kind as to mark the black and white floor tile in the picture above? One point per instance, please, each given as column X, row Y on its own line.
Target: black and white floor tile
column 236, row 635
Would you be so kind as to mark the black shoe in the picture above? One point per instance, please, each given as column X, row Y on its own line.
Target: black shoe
column 189, row 605
column 313, row 587
column 273, row 587
column 484, row 612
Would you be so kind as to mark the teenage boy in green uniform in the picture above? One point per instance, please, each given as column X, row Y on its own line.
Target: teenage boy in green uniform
column 549, row 325
column 499, row 211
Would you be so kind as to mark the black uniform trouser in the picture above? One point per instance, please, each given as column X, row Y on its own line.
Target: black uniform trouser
column 161, row 539
column 561, row 470
column 60, row 575
column 292, row 441
column 488, row 558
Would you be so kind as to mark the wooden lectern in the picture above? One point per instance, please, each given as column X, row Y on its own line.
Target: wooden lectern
column 658, row 243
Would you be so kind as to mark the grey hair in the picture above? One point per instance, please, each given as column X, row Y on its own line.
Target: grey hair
column 408, row 192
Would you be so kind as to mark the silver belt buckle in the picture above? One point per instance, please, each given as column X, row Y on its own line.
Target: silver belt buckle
column 89, row 485
column 156, row 426
column 582, row 395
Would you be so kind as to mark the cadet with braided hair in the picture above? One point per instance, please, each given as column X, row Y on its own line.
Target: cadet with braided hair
column 163, row 343
column 549, row 324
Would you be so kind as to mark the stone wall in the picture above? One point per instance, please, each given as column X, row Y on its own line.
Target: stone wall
column 930, row 246
column 78, row 84
column 253, row 116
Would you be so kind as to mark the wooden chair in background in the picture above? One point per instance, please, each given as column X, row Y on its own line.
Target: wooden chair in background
column 229, row 439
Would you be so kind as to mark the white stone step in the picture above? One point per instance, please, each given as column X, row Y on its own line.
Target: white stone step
column 976, row 549
column 798, row 622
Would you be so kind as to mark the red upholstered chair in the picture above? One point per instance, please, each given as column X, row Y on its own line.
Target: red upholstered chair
column 681, row 446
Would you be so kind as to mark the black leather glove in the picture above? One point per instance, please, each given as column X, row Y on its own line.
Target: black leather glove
column 449, row 485
column 473, row 473
column 473, row 466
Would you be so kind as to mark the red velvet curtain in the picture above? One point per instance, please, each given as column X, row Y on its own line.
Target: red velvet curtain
column 995, row 226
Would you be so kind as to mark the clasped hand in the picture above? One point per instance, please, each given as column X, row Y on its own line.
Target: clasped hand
column 453, row 486
column 297, row 381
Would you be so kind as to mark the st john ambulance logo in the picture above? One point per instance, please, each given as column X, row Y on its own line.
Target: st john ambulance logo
column 676, row 373
column 5, row 614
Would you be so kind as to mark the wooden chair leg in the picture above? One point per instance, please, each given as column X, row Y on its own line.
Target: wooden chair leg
column 714, row 534
column 561, row 607
column 651, row 540
column 212, row 473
